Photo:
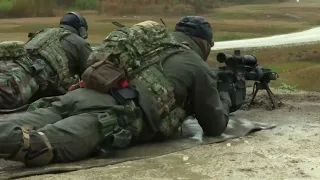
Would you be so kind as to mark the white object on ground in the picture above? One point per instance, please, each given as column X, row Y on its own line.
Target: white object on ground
column 307, row 36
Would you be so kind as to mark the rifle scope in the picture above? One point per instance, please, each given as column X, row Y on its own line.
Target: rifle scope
column 237, row 59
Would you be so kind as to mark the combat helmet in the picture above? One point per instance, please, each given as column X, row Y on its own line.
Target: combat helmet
column 76, row 21
column 195, row 26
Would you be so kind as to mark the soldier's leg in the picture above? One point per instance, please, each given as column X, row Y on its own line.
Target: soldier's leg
column 77, row 137
column 73, row 138
column 14, row 131
column 17, row 86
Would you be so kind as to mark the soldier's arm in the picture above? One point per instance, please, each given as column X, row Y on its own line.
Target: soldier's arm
column 211, row 107
column 78, row 51
column 84, row 52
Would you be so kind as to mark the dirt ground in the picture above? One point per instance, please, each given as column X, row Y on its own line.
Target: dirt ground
column 289, row 151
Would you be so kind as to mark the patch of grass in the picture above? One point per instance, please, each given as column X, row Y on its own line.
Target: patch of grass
column 290, row 66
column 29, row 8
column 288, row 87
column 5, row 5
column 306, row 11
column 84, row 5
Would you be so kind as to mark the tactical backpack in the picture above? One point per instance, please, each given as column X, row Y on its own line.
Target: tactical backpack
column 127, row 51
column 136, row 54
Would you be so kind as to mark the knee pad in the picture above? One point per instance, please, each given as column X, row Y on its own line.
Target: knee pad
column 36, row 149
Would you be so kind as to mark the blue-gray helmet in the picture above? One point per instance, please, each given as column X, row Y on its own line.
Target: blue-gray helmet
column 76, row 21
column 195, row 26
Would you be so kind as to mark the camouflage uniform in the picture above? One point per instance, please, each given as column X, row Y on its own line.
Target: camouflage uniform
column 13, row 77
column 40, row 67
column 76, row 125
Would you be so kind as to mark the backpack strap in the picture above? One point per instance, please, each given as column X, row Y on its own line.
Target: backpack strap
column 158, row 59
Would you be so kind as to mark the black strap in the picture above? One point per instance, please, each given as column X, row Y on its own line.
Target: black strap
column 122, row 95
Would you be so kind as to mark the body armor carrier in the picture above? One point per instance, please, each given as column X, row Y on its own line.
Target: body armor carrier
column 161, row 89
column 139, row 51
column 46, row 43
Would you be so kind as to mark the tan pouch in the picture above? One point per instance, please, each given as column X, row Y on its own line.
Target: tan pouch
column 102, row 76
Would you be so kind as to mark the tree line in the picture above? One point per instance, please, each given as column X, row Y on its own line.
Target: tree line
column 42, row 8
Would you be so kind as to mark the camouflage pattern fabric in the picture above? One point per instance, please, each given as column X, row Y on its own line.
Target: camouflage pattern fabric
column 135, row 46
column 139, row 51
column 46, row 43
column 16, row 85
column 12, row 49
column 163, row 97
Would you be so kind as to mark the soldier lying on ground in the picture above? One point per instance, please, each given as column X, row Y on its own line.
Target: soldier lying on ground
column 45, row 65
column 169, row 83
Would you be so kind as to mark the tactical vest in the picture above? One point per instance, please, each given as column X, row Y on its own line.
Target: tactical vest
column 140, row 51
column 46, row 43
column 161, row 91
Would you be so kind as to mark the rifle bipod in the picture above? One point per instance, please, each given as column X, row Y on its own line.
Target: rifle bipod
column 263, row 86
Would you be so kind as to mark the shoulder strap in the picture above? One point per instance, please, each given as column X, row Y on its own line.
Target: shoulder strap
column 158, row 60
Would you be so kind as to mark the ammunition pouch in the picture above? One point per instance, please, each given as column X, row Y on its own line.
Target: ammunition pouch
column 121, row 125
column 102, row 76
column 121, row 137
column 38, row 66
column 115, row 135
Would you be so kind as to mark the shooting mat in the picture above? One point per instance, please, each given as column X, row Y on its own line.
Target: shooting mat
column 192, row 136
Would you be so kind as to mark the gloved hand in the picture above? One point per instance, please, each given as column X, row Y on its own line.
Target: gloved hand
column 225, row 97
column 234, row 98
column 80, row 84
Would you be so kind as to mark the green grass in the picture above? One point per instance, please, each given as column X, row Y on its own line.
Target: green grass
column 5, row 5
column 84, row 5
column 290, row 66
column 288, row 87
column 229, row 23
